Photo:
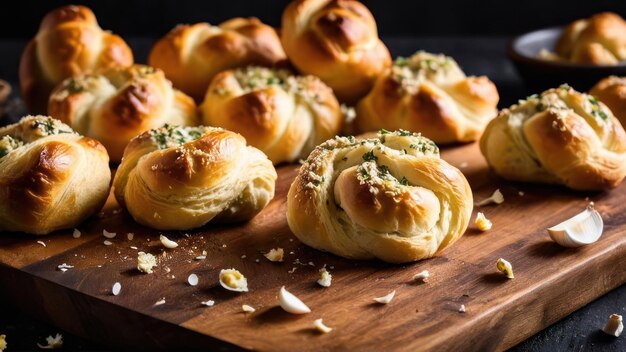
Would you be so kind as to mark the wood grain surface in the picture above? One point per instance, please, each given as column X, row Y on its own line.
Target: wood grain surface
column 550, row 281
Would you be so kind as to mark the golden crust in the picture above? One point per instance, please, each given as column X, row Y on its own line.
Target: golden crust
column 69, row 42
column 336, row 40
column 53, row 180
column 612, row 92
column 177, row 178
column 598, row 40
column 115, row 105
column 284, row 116
column 191, row 55
column 429, row 94
column 560, row 136
column 389, row 197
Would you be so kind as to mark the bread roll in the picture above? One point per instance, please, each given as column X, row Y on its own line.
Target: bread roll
column 389, row 197
column 180, row 178
column 51, row 178
column 190, row 55
column 117, row 104
column 336, row 40
column 598, row 40
column 612, row 92
column 283, row 115
column 560, row 137
column 69, row 42
column 429, row 94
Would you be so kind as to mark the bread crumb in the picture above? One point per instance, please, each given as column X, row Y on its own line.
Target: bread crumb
column 145, row 262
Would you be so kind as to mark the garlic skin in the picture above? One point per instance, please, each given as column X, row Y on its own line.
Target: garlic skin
column 233, row 280
column 291, row 303
column 505, row 267
column 614, row 325
column 385, row 299
column 321, row 327
column 582, row 229
column 421, row 276
column 496, row 198
column 275, row 255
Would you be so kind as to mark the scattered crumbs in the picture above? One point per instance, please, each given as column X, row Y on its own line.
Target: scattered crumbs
column 520, row 193
column 63, row 267
column 186, row 235
column 482, row 223
column 41, row 243
column 159, row 302
column 133, row 247
column 463, row 165
column 332, row 267
column 321, row 327
column 107, row 243
column 116, row 211
column 209, row 303
column 117, row 287
column 275, row 255
column 130, row 236
column 145, row 262
column 52, row 342
column 200, row 257
column 193, row 280
column 76, row 233
column 325, row 278
column 167, row 269
column 292, row 252
column 293, row 270
column 311, row 264
column 101, row 214
column 257, row 260
column 462, row 308
column 99, row 266
column 3, row 342
column 243, row 256
column 247, row 309
column 291, row 240
column 224, row 246
column 108, row 234
column 422, row 276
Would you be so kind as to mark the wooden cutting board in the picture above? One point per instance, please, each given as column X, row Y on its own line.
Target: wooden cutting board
column 550, row 281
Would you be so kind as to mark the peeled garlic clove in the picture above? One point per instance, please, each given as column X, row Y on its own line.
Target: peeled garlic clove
column 614, row 326
column 247, row 309
column 321, row 327
column 291, row 303
column 385, row 299
column 582, row 229
column 233, row 280
column 167, row 243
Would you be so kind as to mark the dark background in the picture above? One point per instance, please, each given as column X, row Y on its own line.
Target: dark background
column 19, row 19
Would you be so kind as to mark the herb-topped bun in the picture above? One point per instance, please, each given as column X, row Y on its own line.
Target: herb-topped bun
column 390, row 197
column 559, row 136
column 285, row 116
column 179, row 178
column 51, row 178
column 116, row 105
column 429, row 94
column 612, row 92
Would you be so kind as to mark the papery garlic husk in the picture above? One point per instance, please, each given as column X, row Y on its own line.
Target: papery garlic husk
column 291, row 303
column 233, row 280
column 579, row 230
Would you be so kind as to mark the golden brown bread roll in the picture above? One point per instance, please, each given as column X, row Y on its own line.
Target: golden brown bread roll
column 51, row 178
column 612, row 92
column 179, row 178
column 283, row 115
column 560, row 136
column 429, row 94
column 69, row 42
column 389, row 197
column 190, row 55
column 117, row 104
column 598, row 40
column 336, row 40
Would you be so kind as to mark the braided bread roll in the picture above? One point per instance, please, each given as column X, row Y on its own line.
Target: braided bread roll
column 69, row 42
column 336, row 40
column 179, row 178
column 191, row 55
column 283, row 115
column 560, row 136
column 612, row 92
column 116, row 105
column 389, row 197
column 51, row 178
column 598, row 40
column 429, row 94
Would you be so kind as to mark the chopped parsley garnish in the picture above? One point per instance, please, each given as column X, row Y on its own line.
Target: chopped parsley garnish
column 369, row 156
column 565, row 86
column 364, row 173
column 383, row 131
column 596, row 109
column 167, row 135
column 8, row 144
column 401, row 61
column 48, row 126
column 404, row 181
column 73, row 86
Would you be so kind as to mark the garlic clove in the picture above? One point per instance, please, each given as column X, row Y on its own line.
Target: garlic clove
column 321, row 327
column 582, row 229
column 614, row 325
column 233, row 280
column 291, row 303
column 505, row 267
column 385, row 299
column 421, row 276
column 247, row 309
column 167, row 243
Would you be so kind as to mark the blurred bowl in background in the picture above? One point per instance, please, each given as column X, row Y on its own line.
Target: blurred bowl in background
column 540, row 74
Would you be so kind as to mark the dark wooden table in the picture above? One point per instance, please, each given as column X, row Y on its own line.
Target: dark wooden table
column 579, row 331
